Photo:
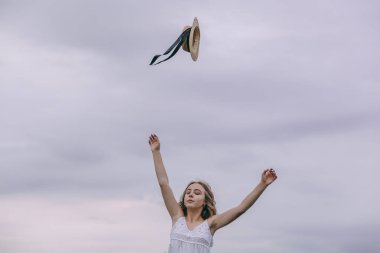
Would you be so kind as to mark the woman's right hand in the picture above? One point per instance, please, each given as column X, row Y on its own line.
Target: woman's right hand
column 154, row 142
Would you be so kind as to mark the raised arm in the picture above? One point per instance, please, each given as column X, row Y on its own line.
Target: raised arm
column 170, row 202
column 218, row 221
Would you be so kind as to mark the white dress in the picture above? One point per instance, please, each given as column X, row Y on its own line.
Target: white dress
column 183, row 240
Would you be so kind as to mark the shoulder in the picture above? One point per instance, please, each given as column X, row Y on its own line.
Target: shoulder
column 211, row 221
column 177, row 217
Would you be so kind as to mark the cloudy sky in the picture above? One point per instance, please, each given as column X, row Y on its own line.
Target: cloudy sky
column 292, row 85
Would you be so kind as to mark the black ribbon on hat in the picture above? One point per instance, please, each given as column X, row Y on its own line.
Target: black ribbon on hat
column 184, row 37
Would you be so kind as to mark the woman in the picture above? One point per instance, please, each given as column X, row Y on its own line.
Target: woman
column 194, row 218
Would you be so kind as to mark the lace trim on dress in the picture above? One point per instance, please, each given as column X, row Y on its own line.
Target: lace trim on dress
column 190, row 239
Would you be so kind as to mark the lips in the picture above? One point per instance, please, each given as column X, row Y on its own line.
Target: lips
column 190, row 201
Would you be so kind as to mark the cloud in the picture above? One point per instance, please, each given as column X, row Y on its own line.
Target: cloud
column 292, row 86
column 35, row 224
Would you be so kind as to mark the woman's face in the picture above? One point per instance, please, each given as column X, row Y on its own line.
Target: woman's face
column 194, row 196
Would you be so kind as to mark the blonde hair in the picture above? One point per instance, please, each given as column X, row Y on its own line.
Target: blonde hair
column 209, row 208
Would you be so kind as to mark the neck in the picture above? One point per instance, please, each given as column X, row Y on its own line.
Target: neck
column 194, row 215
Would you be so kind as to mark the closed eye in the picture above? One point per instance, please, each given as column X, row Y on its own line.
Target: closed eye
column 196, row 191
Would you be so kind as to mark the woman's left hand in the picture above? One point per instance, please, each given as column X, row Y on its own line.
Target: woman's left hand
column 268, row 176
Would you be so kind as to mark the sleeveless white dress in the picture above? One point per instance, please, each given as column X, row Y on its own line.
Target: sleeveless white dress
column 183, row 240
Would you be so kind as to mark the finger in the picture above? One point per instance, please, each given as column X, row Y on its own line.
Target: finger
column 265, row 172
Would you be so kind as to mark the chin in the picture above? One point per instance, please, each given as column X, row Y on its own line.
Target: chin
column 192, row 206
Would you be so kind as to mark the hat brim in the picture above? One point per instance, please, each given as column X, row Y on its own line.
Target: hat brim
column 195, row 36
column 193, row 46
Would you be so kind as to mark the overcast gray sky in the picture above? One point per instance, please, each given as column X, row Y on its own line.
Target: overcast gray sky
column 292, row 85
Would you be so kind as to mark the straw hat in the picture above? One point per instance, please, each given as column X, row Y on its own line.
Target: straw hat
column 192, row 43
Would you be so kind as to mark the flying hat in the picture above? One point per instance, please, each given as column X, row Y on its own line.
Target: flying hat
column 191, row 45
column 189, row 40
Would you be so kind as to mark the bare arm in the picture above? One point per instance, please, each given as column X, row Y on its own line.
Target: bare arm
column 163, row 180
column 218, row 221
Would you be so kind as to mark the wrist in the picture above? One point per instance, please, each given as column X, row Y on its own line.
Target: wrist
column 155, row 151
column 263, row 185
